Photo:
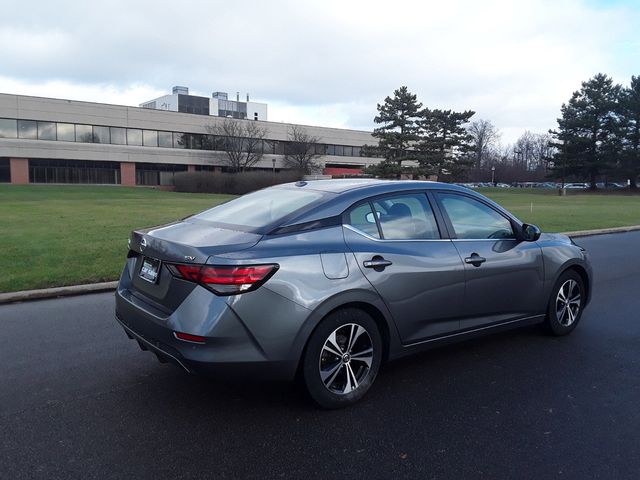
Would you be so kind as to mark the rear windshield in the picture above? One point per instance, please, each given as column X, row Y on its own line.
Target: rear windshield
column 262, row 208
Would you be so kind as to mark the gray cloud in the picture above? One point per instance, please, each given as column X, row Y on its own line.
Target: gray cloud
column 512, row 62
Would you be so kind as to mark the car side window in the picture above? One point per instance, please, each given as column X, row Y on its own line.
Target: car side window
column 472, row 219
column 361, row 217
column 406, row 217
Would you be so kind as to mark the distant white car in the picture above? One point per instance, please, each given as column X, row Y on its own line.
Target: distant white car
column 576, row 185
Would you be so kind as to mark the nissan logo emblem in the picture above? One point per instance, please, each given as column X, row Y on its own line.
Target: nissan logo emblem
column 143, row 243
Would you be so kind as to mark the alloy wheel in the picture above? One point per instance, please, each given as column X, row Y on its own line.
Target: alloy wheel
column 568, row 303
column 346, row 358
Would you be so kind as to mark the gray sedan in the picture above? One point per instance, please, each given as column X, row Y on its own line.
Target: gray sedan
column 324, row 281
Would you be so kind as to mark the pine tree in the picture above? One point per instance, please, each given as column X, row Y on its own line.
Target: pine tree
column 398, row 132
column 588, row 132
column 630, row 119
column 446, row 143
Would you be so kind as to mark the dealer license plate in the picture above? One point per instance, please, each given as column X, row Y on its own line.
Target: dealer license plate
column 150, row 269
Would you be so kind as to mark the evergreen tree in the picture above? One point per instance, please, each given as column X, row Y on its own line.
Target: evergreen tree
column 588, row 132
column 384, row 169
column 446, row 143
column 630, row 116
column 398, row 132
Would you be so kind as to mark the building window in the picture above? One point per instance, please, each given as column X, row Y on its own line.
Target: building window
column 150, row 138
column 157, row 173
column 178, row 140
column 84, row 133
column 101, row 135
column 118, row 136
column 187, row 140
column 46, row 131
column 8, row 128
column 207, row 168
column 73, row 171
column 193, row 104
column 66, row 132
column 165, row 139
column 27, row 129
column 134, row 136
column 278, row 147
column 5, row 170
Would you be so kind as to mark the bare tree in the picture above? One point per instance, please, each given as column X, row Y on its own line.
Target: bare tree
column 543, row 150
column 300, row 151
column 485, row 138
column 241, row 140
column 533, row 150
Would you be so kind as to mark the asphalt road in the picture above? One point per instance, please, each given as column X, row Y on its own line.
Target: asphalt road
column 80, row 400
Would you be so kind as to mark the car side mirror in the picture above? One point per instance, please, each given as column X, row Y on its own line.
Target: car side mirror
column 530, row 233
column 370, row 218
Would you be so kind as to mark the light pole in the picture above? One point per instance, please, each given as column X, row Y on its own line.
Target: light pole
column 493, row 175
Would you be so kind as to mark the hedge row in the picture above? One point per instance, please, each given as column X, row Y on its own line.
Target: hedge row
column 232, row 183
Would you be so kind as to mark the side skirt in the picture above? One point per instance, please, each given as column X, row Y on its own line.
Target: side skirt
column 465, row 335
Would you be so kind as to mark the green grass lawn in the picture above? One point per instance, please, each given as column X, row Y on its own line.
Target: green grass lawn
column 66, row 235
column 576, row 211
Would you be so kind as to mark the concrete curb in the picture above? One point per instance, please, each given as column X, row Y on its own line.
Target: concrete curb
column 26, row 295
column 602, row 231
column 108, row 286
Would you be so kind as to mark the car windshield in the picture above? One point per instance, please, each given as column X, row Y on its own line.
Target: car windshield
column 257, row 210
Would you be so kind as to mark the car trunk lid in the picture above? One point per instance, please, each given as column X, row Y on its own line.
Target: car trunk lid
column 184, row 242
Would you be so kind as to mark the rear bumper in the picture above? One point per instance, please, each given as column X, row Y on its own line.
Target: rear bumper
column 229, row 371
column 234, row 348
column 155, row 347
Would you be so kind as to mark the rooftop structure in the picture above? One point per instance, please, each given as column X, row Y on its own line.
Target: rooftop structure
column 217, row 105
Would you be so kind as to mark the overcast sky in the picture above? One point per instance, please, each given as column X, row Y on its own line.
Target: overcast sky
column 324, row 62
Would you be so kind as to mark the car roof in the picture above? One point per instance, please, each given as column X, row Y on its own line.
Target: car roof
column 341, row 194
column 366, row 184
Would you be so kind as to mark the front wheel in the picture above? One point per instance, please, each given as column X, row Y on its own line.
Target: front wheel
column 342, row 358
column 566, row 304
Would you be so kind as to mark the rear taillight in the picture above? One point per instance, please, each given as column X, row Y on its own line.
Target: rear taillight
column 225, row 279
column 187, row 337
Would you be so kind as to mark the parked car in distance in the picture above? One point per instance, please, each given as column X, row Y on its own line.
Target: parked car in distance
column 611, row 185
column 324, row 281
column 576, row 185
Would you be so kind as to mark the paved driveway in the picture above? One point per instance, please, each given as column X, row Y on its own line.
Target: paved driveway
column 79, row 400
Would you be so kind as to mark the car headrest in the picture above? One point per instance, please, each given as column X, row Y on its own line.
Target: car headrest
column 399, row 210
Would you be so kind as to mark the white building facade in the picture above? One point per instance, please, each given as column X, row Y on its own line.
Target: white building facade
column 47, row 140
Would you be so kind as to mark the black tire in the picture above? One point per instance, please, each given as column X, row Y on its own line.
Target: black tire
column 561, row 321
column 342, row 372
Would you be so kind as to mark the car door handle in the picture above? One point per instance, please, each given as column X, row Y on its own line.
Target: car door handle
column 377, row 263
column 475, row 260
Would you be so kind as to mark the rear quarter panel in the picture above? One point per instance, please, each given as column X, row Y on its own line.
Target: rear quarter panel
column 312, row 278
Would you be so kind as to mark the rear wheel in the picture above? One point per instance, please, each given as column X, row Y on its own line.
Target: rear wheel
column 565, row 304
column 342, row 358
